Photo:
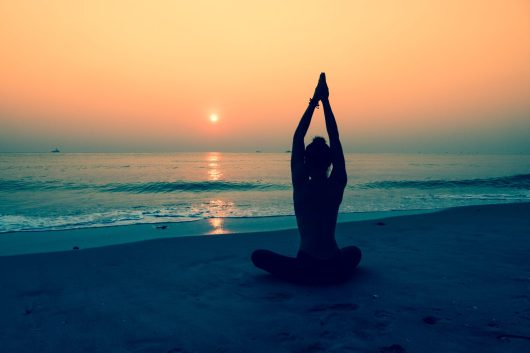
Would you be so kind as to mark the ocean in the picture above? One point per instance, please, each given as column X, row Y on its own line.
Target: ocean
column 54, row 191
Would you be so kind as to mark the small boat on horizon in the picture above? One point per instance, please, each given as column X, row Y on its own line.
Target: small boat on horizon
column 55, row 150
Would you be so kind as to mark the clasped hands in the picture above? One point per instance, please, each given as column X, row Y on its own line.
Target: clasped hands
column 321, row 91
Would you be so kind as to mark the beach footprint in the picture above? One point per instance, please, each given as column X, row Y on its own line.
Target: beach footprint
column 430, row 320
column 277, row 296
column 334, row 307
column 286, row 336
column 383, row 314
column 311, row 348
column 395, row 348
column 177, row 350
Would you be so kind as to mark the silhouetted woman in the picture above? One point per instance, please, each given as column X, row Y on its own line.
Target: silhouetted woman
column 317, row 198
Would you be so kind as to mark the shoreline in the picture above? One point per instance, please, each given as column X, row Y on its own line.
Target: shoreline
column 43, row 241
column 457, row 280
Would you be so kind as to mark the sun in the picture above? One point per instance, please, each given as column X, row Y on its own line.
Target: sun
column 214, row 118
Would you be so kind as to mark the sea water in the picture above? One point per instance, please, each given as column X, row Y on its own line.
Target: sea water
column 44, row 191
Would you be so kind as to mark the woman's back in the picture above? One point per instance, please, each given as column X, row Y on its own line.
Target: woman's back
column 316, row 206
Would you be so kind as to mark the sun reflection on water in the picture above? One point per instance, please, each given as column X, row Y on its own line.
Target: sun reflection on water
column 217, row 226
column 214, row 168
column 217, row 208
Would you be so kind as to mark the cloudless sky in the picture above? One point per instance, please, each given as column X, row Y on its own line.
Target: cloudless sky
column 404, row 76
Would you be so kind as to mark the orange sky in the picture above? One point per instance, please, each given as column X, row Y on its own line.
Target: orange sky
column 145, row 76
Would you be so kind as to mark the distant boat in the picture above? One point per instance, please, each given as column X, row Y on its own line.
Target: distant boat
column 288, row 151
column 55, row 150
column 258, row 151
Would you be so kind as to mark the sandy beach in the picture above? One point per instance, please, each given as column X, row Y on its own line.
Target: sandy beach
column 452, row 281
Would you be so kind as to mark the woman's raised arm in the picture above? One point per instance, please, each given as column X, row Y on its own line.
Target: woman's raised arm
column 298, row 149
column 337, row 155
column 297, row 152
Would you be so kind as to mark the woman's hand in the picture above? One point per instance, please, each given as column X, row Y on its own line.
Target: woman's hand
column 322, row 91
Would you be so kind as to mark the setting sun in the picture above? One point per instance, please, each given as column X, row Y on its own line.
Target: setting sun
column 118, row 75
column 214, row 118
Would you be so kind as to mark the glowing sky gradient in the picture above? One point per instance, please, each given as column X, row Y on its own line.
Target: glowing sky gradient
column 430, row 76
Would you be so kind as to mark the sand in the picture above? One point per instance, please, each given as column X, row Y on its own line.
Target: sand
column 452, row 281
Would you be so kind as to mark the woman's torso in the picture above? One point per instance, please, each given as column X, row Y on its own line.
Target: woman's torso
column 316, row 207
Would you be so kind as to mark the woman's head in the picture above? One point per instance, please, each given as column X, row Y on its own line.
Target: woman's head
column 317, row 156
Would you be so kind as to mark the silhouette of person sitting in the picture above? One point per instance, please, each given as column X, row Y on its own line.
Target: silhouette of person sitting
column 317, row 198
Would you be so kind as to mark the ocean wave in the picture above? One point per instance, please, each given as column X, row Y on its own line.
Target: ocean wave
column 139, row 188
column 34, row 185
column 197, row 186
column 485, row 197
column 104, row 218
column 17, row 223
column 521, row 181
